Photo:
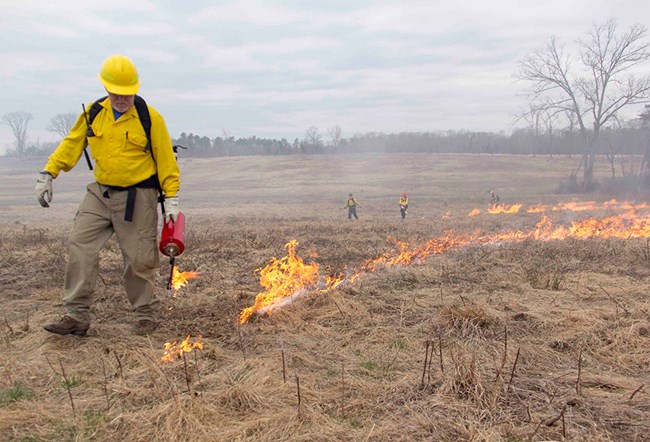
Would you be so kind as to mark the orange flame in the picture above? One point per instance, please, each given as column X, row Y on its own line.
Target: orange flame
column 176, row 350
column 504, row 209
column 289, row 277
column 573, row 206
column 181, row 279
column 281, row 278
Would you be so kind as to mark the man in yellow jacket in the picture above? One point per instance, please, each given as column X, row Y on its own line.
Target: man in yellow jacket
column 128, row 171
column 403, row 204
column 352, row 205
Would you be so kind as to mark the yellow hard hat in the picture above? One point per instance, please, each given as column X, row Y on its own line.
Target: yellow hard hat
column 119, row 75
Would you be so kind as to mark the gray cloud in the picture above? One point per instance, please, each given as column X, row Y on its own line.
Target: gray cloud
column 272, row 69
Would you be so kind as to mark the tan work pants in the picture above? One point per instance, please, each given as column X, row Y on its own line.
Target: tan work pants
column 101, row 213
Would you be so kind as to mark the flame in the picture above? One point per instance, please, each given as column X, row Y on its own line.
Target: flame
column 281, row 278
column 180, row 279
column 538, row 208
column 573, row 206
column 289, row 277
column 174, row 350
column 504, row 209
column 447, row 215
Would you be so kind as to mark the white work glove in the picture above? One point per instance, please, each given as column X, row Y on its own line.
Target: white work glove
column 171, row 208
column 44, row 189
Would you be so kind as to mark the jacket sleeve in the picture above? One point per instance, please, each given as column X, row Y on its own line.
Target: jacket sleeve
column 161, row 145
column 69, row 151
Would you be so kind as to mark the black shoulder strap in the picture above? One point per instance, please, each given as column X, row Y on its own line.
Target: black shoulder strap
column 95, row 109
column 145, row 119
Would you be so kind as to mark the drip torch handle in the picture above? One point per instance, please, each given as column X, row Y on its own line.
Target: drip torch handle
column 172, row 260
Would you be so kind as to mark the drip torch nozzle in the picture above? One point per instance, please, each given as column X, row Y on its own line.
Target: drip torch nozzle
column 172, row 260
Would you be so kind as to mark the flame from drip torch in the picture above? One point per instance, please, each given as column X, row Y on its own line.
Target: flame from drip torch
column 181, row 279
column 176, row 350
column 288, row 278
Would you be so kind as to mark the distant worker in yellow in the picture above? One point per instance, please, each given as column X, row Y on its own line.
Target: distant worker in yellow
column 352, row 205
column 494, row 198
column 403, row 204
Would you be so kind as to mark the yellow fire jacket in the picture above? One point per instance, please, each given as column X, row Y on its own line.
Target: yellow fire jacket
column 403, row 201
column 118, row 150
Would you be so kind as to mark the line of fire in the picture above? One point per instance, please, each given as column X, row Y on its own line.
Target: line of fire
column 290, row 278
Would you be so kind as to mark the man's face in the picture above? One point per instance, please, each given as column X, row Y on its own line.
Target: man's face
column 121, row 103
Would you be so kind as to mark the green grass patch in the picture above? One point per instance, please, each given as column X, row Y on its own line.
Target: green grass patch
column 15, row 393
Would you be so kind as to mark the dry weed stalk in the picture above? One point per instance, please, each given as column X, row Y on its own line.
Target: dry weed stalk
column 551, row 421
column 298, row 392
column 187, row 376
column 442, row 366
column 578, row 380
column 343, row 395
column 105, row 385
column 11, row 330
column 639, row 388
column 426, row 357
column 512, row 372
column 616, row 301
column 66, row 383
column 284, row 365
column 119, row 365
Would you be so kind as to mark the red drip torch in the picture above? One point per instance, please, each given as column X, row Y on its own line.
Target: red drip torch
column 172, row 242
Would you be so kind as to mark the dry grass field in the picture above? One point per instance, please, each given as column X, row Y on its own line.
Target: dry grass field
column 508, row 340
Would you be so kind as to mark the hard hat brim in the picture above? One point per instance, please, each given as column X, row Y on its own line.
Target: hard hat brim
column 120, row 90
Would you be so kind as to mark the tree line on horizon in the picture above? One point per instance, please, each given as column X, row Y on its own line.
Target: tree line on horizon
column 631, row 138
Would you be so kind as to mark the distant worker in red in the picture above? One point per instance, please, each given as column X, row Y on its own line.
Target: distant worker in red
column 403, row 204
column 133, row 161
column 352, row 205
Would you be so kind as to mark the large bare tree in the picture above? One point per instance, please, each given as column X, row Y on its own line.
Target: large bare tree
column 597, row 89
column 18, row 122
column 62, row 123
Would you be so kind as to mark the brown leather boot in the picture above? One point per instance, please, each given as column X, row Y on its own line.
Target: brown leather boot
column 144, row 327
column 68, row 326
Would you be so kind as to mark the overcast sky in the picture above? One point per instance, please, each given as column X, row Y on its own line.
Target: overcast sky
column 274, row 68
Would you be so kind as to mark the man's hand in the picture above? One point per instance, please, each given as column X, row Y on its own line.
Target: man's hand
column 44, row 189
column 171, row 208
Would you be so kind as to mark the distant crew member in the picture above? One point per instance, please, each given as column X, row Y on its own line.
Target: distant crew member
column 494, row 198
column 403, row 204
column 352, row 205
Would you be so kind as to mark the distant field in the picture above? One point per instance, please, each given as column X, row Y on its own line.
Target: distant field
column 489, row 341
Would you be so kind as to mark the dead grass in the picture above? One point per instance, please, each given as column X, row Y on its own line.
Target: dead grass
column 507, row 325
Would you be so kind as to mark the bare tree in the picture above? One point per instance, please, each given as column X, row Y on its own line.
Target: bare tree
column 595, row 98
column 336, row 135
column 18, row 121
column 645, row 122
column 227, row 140
column 62, row 123
column 312, row 137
